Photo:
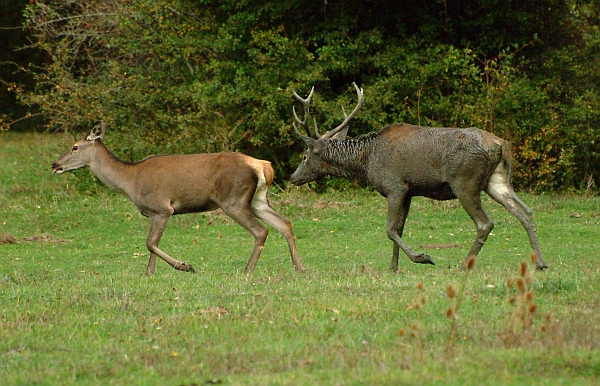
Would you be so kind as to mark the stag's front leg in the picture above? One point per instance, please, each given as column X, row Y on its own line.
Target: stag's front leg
column 398, row 207
column 472, row 204
column 395, row 258
column 402, row 215
column 157, row 228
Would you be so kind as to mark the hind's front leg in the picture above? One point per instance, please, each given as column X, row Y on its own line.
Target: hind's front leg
column 157, row 229
column 151, row 263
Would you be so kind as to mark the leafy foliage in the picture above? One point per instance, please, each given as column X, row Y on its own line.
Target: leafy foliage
column 190, row 76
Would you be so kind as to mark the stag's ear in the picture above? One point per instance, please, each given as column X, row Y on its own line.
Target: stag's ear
column 314, row 145
column 341, row 134
column 310, row 142
column 97, row 132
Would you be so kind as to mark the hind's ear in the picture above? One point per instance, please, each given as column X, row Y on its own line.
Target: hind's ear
column 97, row 132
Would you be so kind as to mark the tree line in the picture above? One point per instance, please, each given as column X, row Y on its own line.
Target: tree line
column 205, row 75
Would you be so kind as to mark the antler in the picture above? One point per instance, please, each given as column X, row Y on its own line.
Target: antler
column 306, row 105
column 347, row 118
column 331, row 133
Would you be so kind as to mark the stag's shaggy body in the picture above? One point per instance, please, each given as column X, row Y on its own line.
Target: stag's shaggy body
column 403, row 161
column 162, row 186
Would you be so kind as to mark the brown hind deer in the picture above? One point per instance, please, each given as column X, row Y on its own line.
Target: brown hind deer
column 402, row 161
column 162, row 186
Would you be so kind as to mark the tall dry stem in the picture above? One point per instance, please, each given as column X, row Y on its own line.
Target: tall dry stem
column 456, row 301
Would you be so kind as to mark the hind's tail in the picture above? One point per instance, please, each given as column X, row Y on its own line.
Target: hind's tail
column 268, row 172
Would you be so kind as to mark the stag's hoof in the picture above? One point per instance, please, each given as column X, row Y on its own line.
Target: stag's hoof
column 300, row 269
column 541, row 267
column 186, row 268
column 423, row 259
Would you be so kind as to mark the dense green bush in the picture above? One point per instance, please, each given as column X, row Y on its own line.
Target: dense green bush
column 205, row 75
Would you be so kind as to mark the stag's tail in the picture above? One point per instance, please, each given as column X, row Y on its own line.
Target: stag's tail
column 507, row 157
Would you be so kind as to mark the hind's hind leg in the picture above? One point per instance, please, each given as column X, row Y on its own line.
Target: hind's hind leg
column 263, row 210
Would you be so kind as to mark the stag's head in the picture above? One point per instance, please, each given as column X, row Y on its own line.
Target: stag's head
column 79, row 154
column 313, row 165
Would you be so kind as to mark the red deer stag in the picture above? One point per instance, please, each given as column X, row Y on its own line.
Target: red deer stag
column 162, row 186
column 402, row 161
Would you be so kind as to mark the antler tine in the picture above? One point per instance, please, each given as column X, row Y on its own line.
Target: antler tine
column 319, row 136
column 303, row 123
column 347, row 118
column 296, row 130
column 306, row 106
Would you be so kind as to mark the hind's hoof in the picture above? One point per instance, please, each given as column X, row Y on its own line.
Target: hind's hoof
column 186, row 268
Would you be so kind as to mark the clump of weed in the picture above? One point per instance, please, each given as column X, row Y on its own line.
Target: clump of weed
column 551, row 333
column 456, row 299
column 519, row 328
column 415, row 332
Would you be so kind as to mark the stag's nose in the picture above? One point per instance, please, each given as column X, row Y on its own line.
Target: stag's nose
column 296, row 180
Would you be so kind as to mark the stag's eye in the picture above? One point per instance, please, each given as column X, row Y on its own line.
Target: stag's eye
column 304, row 158
column 74, row 148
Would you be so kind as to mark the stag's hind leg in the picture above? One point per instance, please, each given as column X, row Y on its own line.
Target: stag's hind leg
column 472, row 205
column 157, row 228
column 500, row 189
column 468, row 193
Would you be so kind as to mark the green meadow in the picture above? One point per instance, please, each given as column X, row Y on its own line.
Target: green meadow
column 77, row 308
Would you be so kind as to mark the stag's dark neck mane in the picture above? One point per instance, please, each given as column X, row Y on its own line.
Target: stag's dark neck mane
column 349, row 157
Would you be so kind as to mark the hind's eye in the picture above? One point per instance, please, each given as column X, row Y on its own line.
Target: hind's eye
column 304, row 158
column 74, row 148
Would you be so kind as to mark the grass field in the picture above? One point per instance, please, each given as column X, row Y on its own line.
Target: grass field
column 76, row 307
